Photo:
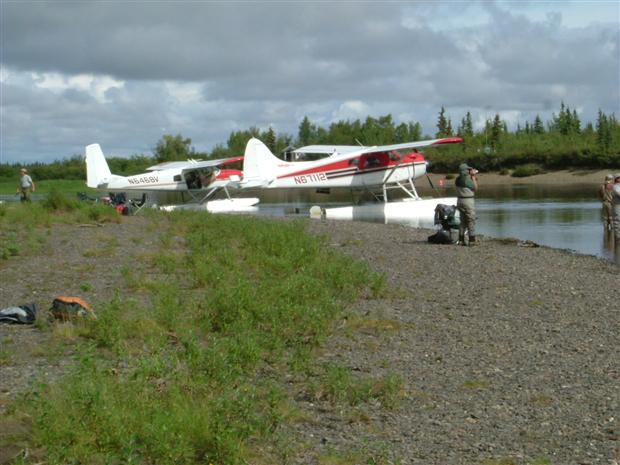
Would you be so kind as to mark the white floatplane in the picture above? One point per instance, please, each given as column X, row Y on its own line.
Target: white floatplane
column 201, row 180
column 363, row 168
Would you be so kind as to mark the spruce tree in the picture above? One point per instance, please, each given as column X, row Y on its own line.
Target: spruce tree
column 270, row 139
column 603, row 132
column 539, row 127
column 306, row 132
column 442, row 124
column 496, row 130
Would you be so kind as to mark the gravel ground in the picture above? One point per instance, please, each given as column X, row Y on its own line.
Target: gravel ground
column 82, row 260
column 509, row 354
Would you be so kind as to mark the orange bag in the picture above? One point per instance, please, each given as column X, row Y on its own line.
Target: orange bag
column 67, row 308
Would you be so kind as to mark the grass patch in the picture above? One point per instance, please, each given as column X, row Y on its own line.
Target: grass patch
column 194, row 374
column 22, row 225
column 475, row 384
column 46, row 186
column 337, row 385
column 529, row 169
column 6, row 357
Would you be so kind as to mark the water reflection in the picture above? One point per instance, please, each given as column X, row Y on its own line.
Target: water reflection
column 560, row 216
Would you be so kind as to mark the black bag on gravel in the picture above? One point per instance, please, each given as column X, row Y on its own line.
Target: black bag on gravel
column 24, row 314
column 442, row 236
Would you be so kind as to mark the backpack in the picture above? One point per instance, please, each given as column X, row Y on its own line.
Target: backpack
column 445, row 215
column 66, row 308
column 22, row 314
column 442, row 236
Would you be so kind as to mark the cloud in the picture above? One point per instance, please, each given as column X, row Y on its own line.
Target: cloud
column 124, row 73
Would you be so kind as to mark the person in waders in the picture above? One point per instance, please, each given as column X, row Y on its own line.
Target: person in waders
column 605, row 195
column 466, row 185
column 26, row 185
column 616, row 208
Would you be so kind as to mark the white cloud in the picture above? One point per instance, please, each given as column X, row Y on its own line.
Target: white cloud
column 96, row 86
column 351, row 110
column 122, row 73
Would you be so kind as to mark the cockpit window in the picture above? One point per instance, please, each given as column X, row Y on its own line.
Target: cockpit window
column 371, row 162
column 200, row 178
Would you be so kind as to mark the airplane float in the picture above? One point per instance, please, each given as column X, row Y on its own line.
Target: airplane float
column 354, row 167
column 200, row 179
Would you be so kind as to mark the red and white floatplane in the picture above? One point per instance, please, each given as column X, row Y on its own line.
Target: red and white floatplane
column 377, row 169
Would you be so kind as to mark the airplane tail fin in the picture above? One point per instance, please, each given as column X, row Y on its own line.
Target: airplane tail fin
column 97, row 170
column 259, row 164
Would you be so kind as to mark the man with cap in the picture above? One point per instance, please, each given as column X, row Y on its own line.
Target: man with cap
column 26, row 185
column 605, row 196
column 616, row 209
column 466, row 185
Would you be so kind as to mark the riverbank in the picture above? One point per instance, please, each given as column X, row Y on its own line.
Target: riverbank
column 506, row 353
column 553, row 178
column 509, row 352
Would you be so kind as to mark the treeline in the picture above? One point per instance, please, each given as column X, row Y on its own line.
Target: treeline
column 74, row 168
column 561, row 143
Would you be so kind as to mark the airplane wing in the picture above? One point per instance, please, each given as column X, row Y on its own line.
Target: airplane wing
column 193, row 164
column 328, row 149
column 410, row 145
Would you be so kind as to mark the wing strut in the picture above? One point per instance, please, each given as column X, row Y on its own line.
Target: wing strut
column 409, row 190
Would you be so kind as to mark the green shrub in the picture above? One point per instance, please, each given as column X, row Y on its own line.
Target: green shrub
column 529, row 169
column 58, row 201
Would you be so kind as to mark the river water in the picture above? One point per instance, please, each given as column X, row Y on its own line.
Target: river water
column 565, row 217
column 560, row 216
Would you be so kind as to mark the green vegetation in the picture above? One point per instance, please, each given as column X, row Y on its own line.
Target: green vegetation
column 68, row 187
column 529, row 169
column 22, row 226
column 563, row 142
column 338, row 385
column 189, row 365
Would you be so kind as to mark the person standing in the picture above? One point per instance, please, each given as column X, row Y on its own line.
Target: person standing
column 616, row 209
column 466, row 185
column 26, row 185
column 605, row 196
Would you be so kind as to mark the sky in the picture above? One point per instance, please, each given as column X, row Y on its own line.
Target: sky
column 124, row 73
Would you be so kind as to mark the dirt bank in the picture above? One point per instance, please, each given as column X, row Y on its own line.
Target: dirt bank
column 555, row 177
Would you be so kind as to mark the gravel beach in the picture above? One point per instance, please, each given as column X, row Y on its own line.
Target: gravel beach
column 509, row 353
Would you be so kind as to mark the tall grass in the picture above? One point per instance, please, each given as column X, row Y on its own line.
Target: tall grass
column 194, row 376
column 46, row 186
column 22, row 225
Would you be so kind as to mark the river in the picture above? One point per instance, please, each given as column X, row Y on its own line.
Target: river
column 565, row 217
column 560, row 216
